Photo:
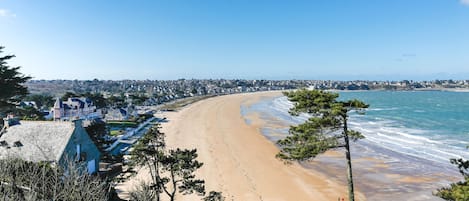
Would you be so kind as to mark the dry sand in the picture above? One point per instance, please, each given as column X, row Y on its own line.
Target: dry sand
column 238, row 160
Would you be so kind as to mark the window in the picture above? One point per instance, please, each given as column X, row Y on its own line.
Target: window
column 17, row 144
column 78, row 151
column 82, row 157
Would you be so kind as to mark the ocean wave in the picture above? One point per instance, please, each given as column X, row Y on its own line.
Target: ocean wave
column 382, row 109
column 391, row 132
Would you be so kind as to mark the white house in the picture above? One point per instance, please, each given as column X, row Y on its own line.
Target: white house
column 75, row 108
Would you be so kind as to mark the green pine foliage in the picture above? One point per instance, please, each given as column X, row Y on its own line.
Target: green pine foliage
column 321, row 132
column 457, row 191
column 214, row 196
column 325, row 129
column 11, row 88
column 172, row 170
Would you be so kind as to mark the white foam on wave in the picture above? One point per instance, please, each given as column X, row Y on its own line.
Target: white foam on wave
column 414, row 142
column 282, row 105
column 403, row 140
column 382, row 109
column 406, row 134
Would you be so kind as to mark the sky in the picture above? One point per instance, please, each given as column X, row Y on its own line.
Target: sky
column 237, row 39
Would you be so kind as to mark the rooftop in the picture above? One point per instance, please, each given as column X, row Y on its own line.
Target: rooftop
column 36, row 140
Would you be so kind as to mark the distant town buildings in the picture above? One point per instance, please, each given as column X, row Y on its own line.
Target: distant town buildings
column 122, row 93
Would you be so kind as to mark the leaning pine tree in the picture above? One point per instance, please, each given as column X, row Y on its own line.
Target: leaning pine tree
column 326, row 129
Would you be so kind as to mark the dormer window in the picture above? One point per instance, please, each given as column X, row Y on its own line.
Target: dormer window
column 82, row 157
column 17, row 144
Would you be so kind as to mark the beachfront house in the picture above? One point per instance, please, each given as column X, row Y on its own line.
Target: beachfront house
column 116, row 114
column 73, row 108
column 24, row 104
column 51, row 141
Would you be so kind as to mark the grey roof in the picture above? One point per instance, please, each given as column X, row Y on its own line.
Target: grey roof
column 40, row 140
column 82, row 104
column 58, row 103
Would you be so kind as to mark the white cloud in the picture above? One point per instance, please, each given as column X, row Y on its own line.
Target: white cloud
column 465, row 2
column 6, row 13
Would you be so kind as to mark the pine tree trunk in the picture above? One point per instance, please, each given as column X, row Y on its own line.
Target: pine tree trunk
column 349, row 163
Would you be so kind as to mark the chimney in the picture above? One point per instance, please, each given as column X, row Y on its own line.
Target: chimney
column 9, row 121
column 6, row 123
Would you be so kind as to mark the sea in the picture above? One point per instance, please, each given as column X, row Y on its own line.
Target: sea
column 419, row 130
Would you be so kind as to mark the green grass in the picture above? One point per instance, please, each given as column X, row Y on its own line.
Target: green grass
column 116, row 132
column 122, row 124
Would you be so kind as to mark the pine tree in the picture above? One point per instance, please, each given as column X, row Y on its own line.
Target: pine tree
column 171, row 170
column 326, row 129
column 457, row 191
column 11, row 88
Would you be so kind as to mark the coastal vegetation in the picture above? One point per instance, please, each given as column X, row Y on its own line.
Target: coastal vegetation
column 23, row 180
column 457, row 191
column 122, row 124
column 326, row 128
column 171, row 170
column 214, row 196
column 12, row 89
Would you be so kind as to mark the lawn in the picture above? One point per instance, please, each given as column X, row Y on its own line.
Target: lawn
column 122, row 124
column 116, row 132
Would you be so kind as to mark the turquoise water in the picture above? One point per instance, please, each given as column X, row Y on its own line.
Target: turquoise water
column 430, row 126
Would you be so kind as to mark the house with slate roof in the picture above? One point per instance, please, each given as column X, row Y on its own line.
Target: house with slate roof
column 73, row 108
column 51, row 141
column 117, row 114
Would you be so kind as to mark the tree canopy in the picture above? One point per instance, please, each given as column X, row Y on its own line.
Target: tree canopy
column 325, row 129
column 320, row 132
column 11, row 88
column 171, row 170
column 457, row 191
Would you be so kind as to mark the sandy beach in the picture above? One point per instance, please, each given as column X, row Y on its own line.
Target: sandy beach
column 238, row 160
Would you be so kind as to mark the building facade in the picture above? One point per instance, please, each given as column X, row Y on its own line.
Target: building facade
column 75, row 108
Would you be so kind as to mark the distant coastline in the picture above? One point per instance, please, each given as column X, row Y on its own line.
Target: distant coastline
column 417, row 89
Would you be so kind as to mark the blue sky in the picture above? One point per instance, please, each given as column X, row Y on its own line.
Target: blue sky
column 252, row 39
